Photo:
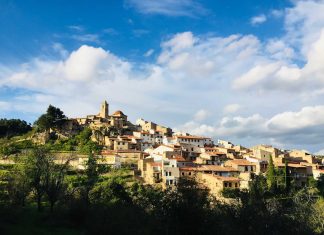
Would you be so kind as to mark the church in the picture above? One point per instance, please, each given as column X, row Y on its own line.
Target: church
column 118, row 119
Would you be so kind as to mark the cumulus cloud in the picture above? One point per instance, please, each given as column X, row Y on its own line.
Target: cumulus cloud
column 192, row 71
column 291, row 121
column 259, row 19
column 187, row 56
column 299, row 128
column 285, row 75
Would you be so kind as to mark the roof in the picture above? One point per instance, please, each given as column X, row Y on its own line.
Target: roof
column 217, row 168
column 178, row 158
column 228, row 179
column 291, row 165
column 241, row 162
column 118, row 113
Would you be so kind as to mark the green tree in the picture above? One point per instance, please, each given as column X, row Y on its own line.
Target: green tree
column 287, row 177
column 12, row 127
column 53, row 118
column 37, row 165
column 18, row 185
column 320, row 185
column 92, row 176
column 317, row 216
column 54, row 181
column 271, row 175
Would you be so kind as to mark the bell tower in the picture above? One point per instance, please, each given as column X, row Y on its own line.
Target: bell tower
column 104, row 110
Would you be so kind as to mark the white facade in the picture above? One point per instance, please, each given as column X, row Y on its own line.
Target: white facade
column 225, row 144
column 193, row 140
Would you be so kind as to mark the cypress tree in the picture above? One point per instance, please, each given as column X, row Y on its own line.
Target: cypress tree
column 287, row 177
column 271, row 175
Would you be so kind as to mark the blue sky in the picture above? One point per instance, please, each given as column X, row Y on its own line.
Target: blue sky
column 247, row 71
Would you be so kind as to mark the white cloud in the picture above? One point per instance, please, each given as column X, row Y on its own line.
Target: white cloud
column 193, row 71
column 78, row 28
column 187, row 56
column 279, row 50
column 188, row 8
column 290, row 121
column 201, row 115
column 231, row 108
column 285, row 75
column 59, row 48
column 259, row 19
column 276, row 13
column 304, row 23
column 149, row 53
column 255, row 75
column 86, row 37
column 299, row 128
column 85, row 63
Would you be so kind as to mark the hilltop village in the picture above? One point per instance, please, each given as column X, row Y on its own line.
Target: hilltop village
column 162, row 157
column 102, row 174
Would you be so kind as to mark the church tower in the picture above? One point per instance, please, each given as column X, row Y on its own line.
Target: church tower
column 104, row 110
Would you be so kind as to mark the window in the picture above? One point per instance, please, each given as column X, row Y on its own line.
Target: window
column 171, row 181
column 246, row 168
column 169, row 173
column 225, row 185
column 182, row 173
column 235, row 185
column 189, row 173
column 230, row 185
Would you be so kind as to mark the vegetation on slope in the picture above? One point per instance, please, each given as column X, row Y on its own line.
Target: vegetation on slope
column 107, row 201
column 13, row 127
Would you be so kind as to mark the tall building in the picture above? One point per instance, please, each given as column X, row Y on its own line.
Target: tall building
column 104, row 110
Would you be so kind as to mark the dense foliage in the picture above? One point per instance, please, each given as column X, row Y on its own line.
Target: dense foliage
column 81, row 143
column 13, row 127
column 15, row 147
column 53, row 118
column 98, row 201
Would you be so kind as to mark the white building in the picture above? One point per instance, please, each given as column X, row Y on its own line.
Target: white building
column 188, row 139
